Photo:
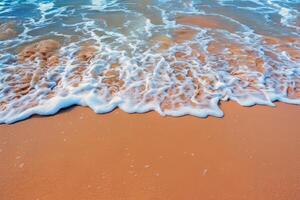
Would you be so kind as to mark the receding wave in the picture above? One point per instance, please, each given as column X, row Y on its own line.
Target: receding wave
column 175, row 57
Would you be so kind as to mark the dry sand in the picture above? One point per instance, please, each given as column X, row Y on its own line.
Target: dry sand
column 251, row 153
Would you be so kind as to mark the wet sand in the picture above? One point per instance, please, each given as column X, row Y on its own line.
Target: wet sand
column 251, row 153
column 7, row 30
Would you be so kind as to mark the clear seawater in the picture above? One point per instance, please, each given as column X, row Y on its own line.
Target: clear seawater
column 175, row 57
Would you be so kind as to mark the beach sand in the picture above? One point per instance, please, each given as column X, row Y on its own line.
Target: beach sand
column 251, row 153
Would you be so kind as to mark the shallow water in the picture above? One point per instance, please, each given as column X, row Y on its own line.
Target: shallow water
column 176, row 57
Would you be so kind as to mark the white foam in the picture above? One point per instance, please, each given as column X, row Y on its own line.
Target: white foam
column 44, row 7
column 150, row 75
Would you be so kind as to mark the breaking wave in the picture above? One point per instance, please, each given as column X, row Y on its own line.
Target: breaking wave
column 176, row 57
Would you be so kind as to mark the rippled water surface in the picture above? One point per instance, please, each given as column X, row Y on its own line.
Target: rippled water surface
column 176, row 57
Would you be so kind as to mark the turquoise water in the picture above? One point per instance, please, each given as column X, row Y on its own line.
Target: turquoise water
column 174, row 57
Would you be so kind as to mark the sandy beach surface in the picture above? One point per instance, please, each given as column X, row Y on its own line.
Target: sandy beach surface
column 251, row 153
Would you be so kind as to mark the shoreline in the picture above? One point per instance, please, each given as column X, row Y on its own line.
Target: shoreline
column 251, row 153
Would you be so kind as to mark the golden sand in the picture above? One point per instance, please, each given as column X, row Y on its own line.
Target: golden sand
column 212, row 22
column 86, row 53
column 45, row 51
column 251, row 153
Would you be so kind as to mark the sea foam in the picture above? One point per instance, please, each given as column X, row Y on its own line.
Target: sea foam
column 173, row 57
